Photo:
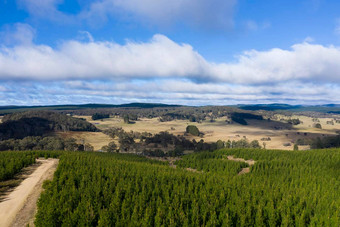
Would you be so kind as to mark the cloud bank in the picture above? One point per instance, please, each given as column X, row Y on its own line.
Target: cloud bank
column 164, row 91
column 161, row 57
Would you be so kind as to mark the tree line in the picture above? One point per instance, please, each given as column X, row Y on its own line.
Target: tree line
column 38, row 123
column 49, row 143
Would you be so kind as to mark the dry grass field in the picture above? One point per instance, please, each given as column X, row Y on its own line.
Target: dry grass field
column 280, row 133
column 96, row 139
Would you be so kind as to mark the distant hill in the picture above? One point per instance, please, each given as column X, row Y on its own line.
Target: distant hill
column 37, row 123
column 328, row 108
column 269, row 107
column 13, row 109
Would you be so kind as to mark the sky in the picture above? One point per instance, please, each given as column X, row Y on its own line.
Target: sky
column 188, row 52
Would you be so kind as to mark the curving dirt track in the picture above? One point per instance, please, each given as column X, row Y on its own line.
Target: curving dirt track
column 19, row 207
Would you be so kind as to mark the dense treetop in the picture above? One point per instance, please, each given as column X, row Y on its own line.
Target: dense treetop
column 37, row 123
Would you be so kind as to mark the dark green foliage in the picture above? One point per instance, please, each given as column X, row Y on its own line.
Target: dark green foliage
column 154, row 153
column 165, row 139
column 326, row 142
column 178, row 151
column 284, row 188
column 294, row 121
column 126, row 119
column 219, row 144
column 214, row 162
column 34, row 123
column 12, row 163
column 98, row 116
column 302, row 141
column 254, row 144
column 244, row 143
column 203, row 146
column 24, row 127
column 126, row 142
column 40, row 143
column 318, row 125
column 111, row 147
column 193, row 130
column 192, row 118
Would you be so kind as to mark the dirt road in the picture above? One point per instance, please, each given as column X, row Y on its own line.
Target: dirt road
column 19, row 207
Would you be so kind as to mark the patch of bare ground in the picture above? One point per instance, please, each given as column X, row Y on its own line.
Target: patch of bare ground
column 244, row 171
column 171, row 161
column 96, row 139
column 19, row 207
column 250, row 162
column 193, row 170
column 6, row 187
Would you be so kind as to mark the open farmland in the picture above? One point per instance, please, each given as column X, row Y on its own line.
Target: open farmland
column 96, row 139
column 280, row 132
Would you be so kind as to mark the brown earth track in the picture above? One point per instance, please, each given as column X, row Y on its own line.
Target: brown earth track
column 19, row 206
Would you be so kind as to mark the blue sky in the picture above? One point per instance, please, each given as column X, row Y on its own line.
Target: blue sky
column 189, row 52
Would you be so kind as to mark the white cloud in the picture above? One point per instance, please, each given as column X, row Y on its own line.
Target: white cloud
column 211, row 14
column 160, row 57
column 85, row 35
column 304, row 62
column 167, row 91
column 47, row 9
column 18, row 34
column 163, row 58
column 208, row 13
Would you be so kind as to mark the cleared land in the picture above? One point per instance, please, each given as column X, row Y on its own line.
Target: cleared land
column 280, row 132
column 96, row 139
column 244, row 170
column 19, row 207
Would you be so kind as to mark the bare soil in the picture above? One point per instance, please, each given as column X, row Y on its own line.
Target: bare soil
column 7, row 186
column 19, row 206
column 250, row 162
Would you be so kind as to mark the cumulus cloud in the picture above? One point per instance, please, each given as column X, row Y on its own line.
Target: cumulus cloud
column 163, row 58
column 160, row 57
column 303, row 62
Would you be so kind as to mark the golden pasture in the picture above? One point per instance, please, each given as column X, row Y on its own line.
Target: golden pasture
column 279, row 132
